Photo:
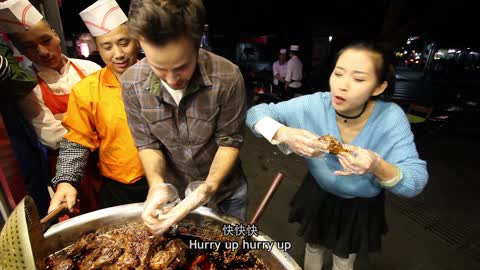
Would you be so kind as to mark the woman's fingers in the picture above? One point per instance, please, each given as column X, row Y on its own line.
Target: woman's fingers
column 348, row 163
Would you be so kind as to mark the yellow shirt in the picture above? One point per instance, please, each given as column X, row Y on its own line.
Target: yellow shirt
column 96, row 119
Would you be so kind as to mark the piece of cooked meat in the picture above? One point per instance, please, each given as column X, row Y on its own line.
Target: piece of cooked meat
column 87, row 263
column 141, row 243
column 80, row 246
column 107, row 256
column 62, row 264
column 178, row 263
column 162, row 259
column 334, row 146
column 137, row 245
column 180, row 249
column 128, row 260
column 100, row 241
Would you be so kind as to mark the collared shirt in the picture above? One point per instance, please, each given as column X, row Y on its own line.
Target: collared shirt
column 177, row 95
column 279, row 69
column 294, row 72
column 96, row 119
column 210, row 114
column 48, row 126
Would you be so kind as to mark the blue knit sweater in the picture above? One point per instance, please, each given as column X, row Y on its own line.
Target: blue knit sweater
column 387, row 132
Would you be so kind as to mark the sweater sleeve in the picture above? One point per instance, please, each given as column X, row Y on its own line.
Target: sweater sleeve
column 404, row 155
column 288, row 113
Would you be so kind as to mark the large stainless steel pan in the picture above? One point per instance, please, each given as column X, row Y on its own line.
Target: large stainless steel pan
column 65, row 233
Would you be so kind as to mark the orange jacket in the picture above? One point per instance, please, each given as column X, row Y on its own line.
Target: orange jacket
column 96, row 118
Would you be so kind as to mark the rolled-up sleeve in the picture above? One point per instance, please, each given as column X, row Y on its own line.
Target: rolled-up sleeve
column 48, row 128
column 405, row 156
column 231, row 121
column 139, row 127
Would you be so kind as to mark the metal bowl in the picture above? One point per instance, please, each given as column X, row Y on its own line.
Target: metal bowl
column 67, row 232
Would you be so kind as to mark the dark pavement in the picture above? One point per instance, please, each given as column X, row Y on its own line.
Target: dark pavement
column 437, row 230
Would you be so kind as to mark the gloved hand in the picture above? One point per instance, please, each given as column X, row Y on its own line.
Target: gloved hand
column 158, row 197
column 198, row 197
column 357, row 160
column 301, row 142
column 65, row 192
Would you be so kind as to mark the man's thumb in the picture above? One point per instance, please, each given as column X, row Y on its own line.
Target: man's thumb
column 53, row 204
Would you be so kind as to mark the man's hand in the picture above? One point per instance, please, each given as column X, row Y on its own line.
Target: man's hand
column 158, row 196
column 198, row 197
column 65, row 192
column 301, row 142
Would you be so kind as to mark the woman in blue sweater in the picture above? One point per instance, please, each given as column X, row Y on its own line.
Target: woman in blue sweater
column 341, row 203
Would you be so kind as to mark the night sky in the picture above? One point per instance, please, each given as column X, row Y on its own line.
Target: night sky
column 393, row 20
column 261, row 16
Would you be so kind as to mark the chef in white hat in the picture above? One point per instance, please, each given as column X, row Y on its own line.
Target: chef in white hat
column 56, row 73
column 280, row 70
column 294, row 72
column 96, row 110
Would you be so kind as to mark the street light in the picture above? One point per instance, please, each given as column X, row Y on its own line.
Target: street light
column 329, row 47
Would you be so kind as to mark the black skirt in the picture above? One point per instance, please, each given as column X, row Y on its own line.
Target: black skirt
column 342, row 225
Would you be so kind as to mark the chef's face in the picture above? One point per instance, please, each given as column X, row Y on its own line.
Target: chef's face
column 41, row 45
column 173, row 62
column 117, row 50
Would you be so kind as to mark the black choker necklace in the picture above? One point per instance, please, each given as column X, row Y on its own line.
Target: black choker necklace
column 345, row 118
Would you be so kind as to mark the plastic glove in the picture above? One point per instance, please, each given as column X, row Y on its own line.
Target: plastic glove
column 301, row 142
column 65, row 192
column 158, row 197
column 357, row 160
column 198, row 197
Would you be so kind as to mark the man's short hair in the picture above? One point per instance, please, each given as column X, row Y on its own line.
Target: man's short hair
column 161, row 21
column 14, row 36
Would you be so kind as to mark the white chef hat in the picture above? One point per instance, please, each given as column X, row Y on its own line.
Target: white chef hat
column 294, row 48
column 18, row 15
column 283, row 51
column 102, row 17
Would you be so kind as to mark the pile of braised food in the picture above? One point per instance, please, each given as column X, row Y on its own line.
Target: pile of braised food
column 133, row 247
